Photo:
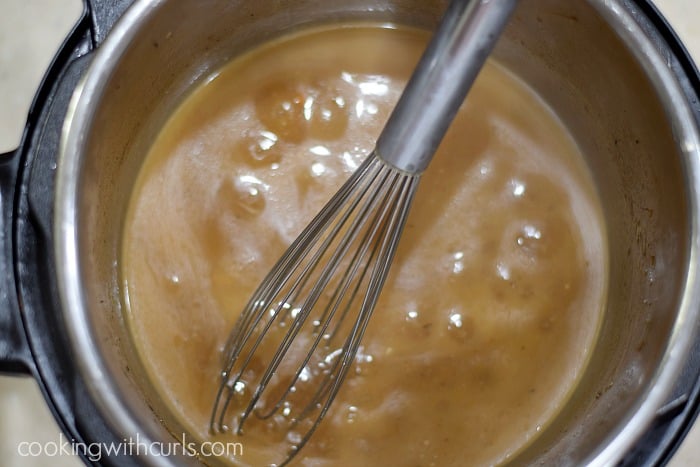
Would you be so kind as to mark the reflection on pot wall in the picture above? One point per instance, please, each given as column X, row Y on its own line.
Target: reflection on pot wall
column 17, row 396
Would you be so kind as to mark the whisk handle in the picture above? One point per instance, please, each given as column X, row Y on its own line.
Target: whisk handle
column 463, row 41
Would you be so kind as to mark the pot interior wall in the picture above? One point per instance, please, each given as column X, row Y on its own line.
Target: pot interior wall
column 569, row 56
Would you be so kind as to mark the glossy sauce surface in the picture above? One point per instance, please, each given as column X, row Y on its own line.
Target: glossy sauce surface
column 494, row 299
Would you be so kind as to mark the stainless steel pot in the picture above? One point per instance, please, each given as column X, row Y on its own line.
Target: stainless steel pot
column 600, row 64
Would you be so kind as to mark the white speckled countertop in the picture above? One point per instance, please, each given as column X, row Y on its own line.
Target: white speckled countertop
column 30, row 33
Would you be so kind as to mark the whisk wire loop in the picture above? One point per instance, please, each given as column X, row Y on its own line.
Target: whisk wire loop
column 275, row 281
column 338, row 265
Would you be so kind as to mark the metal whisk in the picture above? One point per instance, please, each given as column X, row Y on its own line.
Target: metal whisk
column 296, row 339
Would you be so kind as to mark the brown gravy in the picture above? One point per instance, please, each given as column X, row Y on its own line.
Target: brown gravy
column 494, row 299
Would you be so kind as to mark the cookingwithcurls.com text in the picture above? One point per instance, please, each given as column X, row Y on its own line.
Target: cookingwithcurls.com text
column 133, row 446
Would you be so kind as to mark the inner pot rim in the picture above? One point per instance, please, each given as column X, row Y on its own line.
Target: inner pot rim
column 685, row 130
column 91, row 365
